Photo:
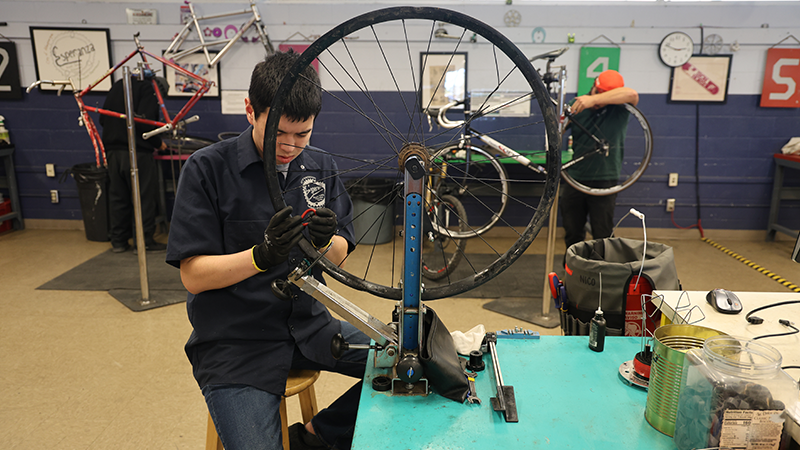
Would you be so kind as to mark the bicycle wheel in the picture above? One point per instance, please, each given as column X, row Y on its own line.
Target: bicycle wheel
column 379, row 72
column 443, row 251
column 632, row 154
column 475, row 177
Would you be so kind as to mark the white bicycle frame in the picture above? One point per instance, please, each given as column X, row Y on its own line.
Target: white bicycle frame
column 173, row 51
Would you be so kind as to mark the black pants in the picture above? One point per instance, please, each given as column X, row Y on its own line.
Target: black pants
column 120, row 195
column 576, row 205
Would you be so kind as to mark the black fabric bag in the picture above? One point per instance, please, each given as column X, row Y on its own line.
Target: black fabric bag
column 619, row 260
column 443, row 367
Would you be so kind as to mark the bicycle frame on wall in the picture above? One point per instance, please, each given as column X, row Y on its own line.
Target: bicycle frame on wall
column 175, row 52
column 167, row 125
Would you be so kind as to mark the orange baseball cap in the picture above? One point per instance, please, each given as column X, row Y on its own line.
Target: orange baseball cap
column 608, row 80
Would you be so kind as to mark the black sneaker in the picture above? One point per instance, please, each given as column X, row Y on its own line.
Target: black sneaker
column 152, row 247
column 120, row 248
column 301, row 439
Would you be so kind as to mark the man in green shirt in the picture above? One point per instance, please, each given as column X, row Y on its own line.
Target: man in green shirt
column 601, row 113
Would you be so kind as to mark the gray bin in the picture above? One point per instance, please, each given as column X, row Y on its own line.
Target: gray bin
column 373, row 209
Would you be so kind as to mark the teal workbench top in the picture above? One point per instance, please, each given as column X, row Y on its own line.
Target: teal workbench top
column 568, row 397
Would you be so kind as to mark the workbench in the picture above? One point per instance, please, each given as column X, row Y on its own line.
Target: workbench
column 676, row 307
column 567, row 396
column 692, row 307
column 9, row 181
column 779, row 192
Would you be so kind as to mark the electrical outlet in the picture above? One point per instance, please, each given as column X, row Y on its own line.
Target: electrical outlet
column 670, row 204
column 53, row 196
column 673, row 179
column 50, row 169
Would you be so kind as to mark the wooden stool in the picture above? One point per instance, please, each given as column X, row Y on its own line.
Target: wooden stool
column 299, row 382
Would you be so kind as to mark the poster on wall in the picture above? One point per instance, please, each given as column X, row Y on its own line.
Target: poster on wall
column 80, row 54
column 443, row 79
column 781, row 79
column 10, row 88
column 701, row 79
column 182, row 86
column 593, row 61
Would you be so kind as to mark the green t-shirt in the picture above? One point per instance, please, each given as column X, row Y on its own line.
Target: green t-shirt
column 609, row 123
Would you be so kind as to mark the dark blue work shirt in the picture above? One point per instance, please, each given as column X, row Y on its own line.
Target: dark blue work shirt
column 243, row 334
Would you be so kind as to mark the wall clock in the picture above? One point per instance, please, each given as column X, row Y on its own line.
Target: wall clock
column 675, row 49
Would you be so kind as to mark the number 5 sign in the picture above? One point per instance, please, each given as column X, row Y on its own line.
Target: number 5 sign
column 782, row 79
column 595, row 60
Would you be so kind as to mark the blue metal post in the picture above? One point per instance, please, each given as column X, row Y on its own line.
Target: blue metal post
column 412, row 278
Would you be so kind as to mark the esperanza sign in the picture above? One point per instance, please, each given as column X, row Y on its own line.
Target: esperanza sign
column 80, row 54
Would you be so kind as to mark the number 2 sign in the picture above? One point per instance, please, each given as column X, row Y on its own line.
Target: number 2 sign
column 10, row 87
column 782, row 79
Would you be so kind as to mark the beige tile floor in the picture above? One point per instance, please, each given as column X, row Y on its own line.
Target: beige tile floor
column 78, row 370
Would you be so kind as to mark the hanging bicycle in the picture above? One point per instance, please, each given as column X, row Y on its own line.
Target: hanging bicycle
column 175, row 52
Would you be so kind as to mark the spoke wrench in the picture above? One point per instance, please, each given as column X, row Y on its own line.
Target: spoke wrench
column 473, row 396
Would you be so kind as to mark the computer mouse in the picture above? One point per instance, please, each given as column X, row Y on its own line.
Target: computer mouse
column 724, row 301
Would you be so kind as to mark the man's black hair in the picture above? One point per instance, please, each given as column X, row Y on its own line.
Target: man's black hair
column 305, row 99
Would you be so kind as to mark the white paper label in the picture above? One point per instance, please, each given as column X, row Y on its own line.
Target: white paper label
column 142, row 16
column 751, row 430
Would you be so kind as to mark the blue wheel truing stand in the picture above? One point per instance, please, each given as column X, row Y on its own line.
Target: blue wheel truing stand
column 398, row 349
column 409, row 368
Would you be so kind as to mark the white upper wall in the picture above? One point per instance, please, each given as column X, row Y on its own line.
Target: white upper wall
column 637, row 27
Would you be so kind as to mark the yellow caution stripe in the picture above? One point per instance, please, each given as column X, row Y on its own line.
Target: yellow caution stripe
column 753, row 265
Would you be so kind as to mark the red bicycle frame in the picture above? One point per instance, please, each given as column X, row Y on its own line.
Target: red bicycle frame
column 167, row 125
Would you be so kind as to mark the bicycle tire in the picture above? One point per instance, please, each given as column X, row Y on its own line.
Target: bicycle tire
column 438, row 263
column 401, row 19
column 472, row 183
column 643, row 142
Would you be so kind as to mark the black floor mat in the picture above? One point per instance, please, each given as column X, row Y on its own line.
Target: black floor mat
column 118, row 273
column 523, row 278
column 517, row 290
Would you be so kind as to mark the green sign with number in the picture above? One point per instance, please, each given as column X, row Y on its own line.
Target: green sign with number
column 595, row 60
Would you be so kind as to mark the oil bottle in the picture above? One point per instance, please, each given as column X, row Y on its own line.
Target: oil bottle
column 597, row 329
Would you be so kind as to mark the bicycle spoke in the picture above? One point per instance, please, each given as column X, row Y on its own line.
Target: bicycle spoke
column 369, row 67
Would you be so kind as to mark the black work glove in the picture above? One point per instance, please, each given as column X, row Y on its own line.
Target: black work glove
column 281, row 235
column 322, row 227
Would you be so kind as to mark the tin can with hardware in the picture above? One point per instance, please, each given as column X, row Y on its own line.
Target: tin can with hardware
column 670, row 343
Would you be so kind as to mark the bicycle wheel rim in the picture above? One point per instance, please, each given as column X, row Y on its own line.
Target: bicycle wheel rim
column 521, row 66
column 492, row 179
column 638, row 160
column 437, row 263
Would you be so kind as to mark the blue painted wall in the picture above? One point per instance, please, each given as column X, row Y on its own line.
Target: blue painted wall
column 736, row 143
column 736, row 140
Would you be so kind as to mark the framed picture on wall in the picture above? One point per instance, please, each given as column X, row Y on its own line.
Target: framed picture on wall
column 183, row 86
column 82, row 54
column 443, row 79
column 701, row 79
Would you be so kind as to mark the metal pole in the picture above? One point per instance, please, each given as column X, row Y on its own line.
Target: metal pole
column 550, row 253
column 137, row 201
column 545, row 319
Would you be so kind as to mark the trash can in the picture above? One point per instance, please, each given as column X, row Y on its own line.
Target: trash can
column 373, row 209
column 619, row 261
column 93, row 194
